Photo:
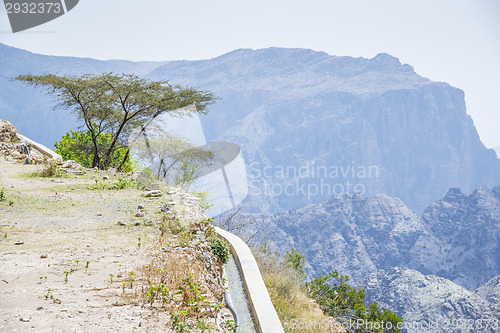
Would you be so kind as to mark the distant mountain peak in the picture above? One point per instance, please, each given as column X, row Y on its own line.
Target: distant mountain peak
column 386, row 58
column 452, row 194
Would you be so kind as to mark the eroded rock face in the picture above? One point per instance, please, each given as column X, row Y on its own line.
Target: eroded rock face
column 468, row 226
column 354, row 234
column 430, row 301
column 442, row 257
column 8, row 133
column 458, row 237
column 491, row 291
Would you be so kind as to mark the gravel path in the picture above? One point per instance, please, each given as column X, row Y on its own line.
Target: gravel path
column 63, row 254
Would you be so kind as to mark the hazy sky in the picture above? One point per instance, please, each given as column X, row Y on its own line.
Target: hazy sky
column 456, row 41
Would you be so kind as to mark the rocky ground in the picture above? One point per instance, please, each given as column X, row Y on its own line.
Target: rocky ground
column 78, row 256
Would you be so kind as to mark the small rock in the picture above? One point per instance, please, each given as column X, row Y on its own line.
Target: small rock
column 140, row 214
column 140, row 207
column 137, row 224
column 148, row 222
column 121, row 223
column 43, row 256
column 19, row 156
column 171, row 192
column 165, row 208
column 152, row 194
column 18, row 243
column 105, row 177
column 71, row 165
column 99, row 214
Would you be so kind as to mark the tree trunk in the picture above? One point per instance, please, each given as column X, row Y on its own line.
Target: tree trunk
column 124, row 160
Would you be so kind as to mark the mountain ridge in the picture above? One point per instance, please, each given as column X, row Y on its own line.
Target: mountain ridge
column 292, row 107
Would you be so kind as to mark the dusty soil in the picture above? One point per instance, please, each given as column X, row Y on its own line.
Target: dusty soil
column 64, row 256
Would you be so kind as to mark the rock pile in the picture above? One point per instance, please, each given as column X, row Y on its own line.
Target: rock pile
column 8, row 136
column 22, row 148
column 8, row 133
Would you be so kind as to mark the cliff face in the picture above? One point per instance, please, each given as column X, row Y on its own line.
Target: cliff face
column 310, row 125
column 298, row 108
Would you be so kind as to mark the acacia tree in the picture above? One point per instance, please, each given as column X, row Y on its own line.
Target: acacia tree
column 171, row 157
column 116, row 104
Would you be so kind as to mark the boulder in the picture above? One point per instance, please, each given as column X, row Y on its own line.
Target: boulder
column 152, row 194
column 8, row 132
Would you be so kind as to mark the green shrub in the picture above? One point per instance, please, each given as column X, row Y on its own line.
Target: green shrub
column 296, row 261
column 51, row 170
column 339, row 299
column 220, row 249
column 124, row 183
column 203, row 202
column 2, row 194
column 78, row 146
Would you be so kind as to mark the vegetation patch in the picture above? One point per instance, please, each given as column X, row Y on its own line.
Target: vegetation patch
column 220, row 249
column 339, row 303
column 50, row 170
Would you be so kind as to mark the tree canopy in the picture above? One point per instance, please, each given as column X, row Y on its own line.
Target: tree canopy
column 116, row 104
column 171, row 157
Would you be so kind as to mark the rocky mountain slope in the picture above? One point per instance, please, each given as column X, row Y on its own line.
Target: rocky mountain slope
column 457, row 238
column 491, row 291
column 442, row 257
column 497, row 150
column 310, row 125
column 430, row 303
column 468, row 228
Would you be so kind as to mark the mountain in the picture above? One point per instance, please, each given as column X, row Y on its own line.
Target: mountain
column 424, row 268
column 497, row 151
column 458, row 237
column 468, row 226
column 490, row 291
column 429, row 303
column 310, row 125
column 351, row 233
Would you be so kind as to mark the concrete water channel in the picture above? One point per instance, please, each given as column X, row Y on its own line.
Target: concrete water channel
column 250, row 289
column 238, row 298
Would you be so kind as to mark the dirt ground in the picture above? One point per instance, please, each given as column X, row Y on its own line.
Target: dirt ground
column 65, row 250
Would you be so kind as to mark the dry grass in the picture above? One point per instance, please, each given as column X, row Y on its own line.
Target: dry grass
column 182, row 278
column 298, row 313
